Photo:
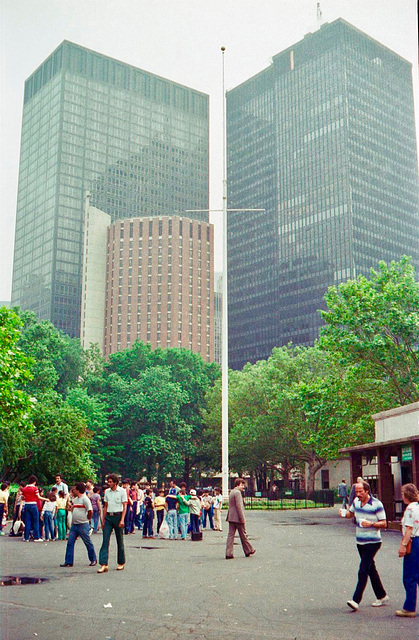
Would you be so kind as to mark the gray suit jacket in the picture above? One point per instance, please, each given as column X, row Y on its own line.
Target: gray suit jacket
column 236, row 507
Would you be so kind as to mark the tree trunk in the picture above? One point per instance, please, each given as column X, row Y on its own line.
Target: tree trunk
column 314, row 464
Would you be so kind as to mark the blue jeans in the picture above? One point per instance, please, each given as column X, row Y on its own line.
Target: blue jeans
column 81, row 530
column 95, row 520
column 31, row 521
column 208, row 513
column 183, row 523
column 49, row 525
column 171, row 518
column 140, row 517
column 411, row 576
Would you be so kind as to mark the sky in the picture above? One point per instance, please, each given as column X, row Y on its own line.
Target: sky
column 177, row 39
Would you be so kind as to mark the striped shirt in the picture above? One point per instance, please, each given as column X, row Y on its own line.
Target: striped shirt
column 373, row 511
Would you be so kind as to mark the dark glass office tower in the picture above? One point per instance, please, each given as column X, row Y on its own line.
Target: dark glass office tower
column 137, row 142
column 324, row 141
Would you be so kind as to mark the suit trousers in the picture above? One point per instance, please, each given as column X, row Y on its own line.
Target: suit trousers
column 241, row 528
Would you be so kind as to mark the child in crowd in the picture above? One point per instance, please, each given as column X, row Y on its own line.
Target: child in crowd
column 159, row 504
column 48, row 514
column 61, row 504
column 148, row 515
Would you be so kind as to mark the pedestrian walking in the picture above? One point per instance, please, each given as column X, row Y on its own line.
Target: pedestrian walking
column 343, row 493
column 80, row 526
column 409, row 550
column 237, row 521
column 370, row 519
column 113, row 519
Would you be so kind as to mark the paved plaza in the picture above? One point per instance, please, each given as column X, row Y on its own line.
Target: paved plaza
column 294, row 588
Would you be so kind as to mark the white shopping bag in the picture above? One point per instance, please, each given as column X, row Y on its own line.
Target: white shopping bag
column 164, row 529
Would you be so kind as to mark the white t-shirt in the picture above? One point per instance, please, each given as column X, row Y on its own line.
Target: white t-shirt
column 411, row 519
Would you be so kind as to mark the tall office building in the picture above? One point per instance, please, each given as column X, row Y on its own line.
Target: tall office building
column 137, row 142
column 148, row 279
column 324, row 141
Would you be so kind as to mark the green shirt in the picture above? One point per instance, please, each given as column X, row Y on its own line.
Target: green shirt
column 183, row 508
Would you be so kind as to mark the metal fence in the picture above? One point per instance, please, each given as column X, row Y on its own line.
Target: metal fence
column 291, row 500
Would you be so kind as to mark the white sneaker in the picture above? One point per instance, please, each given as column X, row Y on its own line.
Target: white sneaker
column 354, row 605
column 39, row 540
column 381, row 602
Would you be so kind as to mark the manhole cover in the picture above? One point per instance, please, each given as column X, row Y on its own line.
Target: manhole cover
column 11, row 581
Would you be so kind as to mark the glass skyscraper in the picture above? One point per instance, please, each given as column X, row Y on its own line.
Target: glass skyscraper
column 324, row 141
column 137, row 142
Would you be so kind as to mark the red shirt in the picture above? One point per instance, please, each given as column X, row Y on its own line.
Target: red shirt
column 30, row 493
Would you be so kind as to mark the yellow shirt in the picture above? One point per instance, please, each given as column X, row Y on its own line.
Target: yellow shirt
column 4, row 496
column 159, row 502
column 61, row 503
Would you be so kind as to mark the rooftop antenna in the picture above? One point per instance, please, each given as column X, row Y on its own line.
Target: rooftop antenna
column 319, row 16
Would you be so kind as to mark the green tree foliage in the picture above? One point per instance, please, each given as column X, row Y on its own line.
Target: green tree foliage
column 154, row 401
column 15, row 402
column 374, row 324
column 58, row 359
column 93, row 410
column 59, row 443
column 300, row 406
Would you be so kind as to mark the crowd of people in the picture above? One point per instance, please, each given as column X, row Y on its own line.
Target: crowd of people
column 47, row 515
column 174, row 512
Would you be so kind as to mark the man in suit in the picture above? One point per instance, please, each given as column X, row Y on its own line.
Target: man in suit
column 237, row 521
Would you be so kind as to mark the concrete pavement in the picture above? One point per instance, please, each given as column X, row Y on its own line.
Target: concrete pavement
column 294, row 588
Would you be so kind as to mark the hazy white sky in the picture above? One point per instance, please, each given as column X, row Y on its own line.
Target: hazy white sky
column 177, row 39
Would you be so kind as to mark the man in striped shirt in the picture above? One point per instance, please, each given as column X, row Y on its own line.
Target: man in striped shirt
column 370, row 519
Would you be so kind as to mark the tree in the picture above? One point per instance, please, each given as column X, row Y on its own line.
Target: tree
column 93, row 410
column 298, row 407
column 374, row 323
column 15, row 402
column 59, row 442
column 58, row 359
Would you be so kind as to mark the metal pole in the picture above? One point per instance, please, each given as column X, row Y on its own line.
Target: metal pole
column 224, row 324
